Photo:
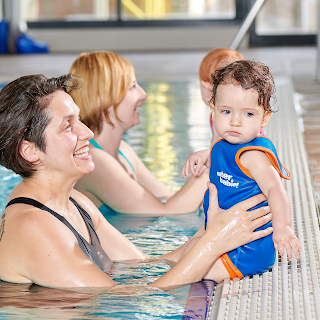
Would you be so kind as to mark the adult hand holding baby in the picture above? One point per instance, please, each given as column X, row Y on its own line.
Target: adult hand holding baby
column 236, row 223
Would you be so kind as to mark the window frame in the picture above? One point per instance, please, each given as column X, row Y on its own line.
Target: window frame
column 241, row 10
column 279, row 39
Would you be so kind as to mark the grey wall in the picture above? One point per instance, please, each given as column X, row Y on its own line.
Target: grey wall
column 136, row 39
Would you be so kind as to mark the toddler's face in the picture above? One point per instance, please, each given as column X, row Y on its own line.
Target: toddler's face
column 237, row 115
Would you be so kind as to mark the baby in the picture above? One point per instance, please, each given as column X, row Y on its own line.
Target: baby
column 214, row 59
column 243, row 164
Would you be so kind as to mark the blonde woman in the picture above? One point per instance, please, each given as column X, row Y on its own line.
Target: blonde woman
column 109, row 103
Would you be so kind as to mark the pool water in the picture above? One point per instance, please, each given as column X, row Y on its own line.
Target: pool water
column 174, row 123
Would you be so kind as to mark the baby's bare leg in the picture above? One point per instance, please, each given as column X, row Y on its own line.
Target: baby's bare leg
column 217, row 272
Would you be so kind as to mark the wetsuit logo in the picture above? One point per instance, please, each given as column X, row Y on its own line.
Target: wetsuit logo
column 227, row 180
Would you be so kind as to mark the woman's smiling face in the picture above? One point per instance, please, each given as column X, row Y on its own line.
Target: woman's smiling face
column 128, row 109
column 66, row 138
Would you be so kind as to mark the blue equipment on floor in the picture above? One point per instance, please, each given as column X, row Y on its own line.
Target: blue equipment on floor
column 26, row 44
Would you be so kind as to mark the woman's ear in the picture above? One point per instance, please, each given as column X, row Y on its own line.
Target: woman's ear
column 109, row 115
column 205, row 87
column 266, row 118
column 29, row 151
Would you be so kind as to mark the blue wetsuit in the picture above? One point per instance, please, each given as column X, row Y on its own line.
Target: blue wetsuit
column 234, row 184
column 105, row 209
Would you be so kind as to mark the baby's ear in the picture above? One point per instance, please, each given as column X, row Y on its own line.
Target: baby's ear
column 266, row 118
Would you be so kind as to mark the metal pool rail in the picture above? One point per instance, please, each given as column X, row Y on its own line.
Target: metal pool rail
column 291, row 289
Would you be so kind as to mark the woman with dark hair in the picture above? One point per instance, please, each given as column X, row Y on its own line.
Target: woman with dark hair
column 54, row 236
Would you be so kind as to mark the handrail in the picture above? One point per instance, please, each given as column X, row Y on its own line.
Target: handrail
column 246, row 24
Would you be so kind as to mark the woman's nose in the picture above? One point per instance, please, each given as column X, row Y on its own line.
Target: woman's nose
column 84, row 132
column 143, row 94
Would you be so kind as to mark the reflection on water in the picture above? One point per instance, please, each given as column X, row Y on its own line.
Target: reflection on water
column 132, row 302
column 198, row 300
column 174, row 123
column 157, row 125
column 8, row 180
column 156, row 305
column 19, row 301
column 160, row 235
column 199, row 132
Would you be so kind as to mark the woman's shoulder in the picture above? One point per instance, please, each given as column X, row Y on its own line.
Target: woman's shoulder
column 81, row 199
column 23, row 223
column 20, row 207
column 126, row 148
column 87, row 205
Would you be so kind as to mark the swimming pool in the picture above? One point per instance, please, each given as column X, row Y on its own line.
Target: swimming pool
column 174, row 123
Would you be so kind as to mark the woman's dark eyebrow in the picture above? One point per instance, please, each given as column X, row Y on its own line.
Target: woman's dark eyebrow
column 65, row 118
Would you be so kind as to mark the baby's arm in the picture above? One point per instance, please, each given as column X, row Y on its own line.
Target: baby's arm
column 268, row 180
column 195, row 163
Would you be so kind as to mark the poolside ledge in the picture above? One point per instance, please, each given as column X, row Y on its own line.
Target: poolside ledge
column 291, row 289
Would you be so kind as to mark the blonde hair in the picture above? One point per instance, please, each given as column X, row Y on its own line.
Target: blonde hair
column 216, row 59
column 106, row 80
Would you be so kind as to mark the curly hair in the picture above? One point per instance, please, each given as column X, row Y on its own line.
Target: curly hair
column 24, row 116
column 250, row 75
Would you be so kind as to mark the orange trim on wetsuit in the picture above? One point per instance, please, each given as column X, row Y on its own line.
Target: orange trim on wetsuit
column 232, row 270
column 272, row 157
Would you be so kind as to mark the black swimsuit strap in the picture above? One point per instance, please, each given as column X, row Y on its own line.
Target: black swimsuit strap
column 86, row 217
column 93, row 251
column 41, row 206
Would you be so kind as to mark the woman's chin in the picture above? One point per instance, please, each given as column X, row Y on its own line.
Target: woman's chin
column 90, row 167
column 134, row 123
column 137, row 120
column 86, row 167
